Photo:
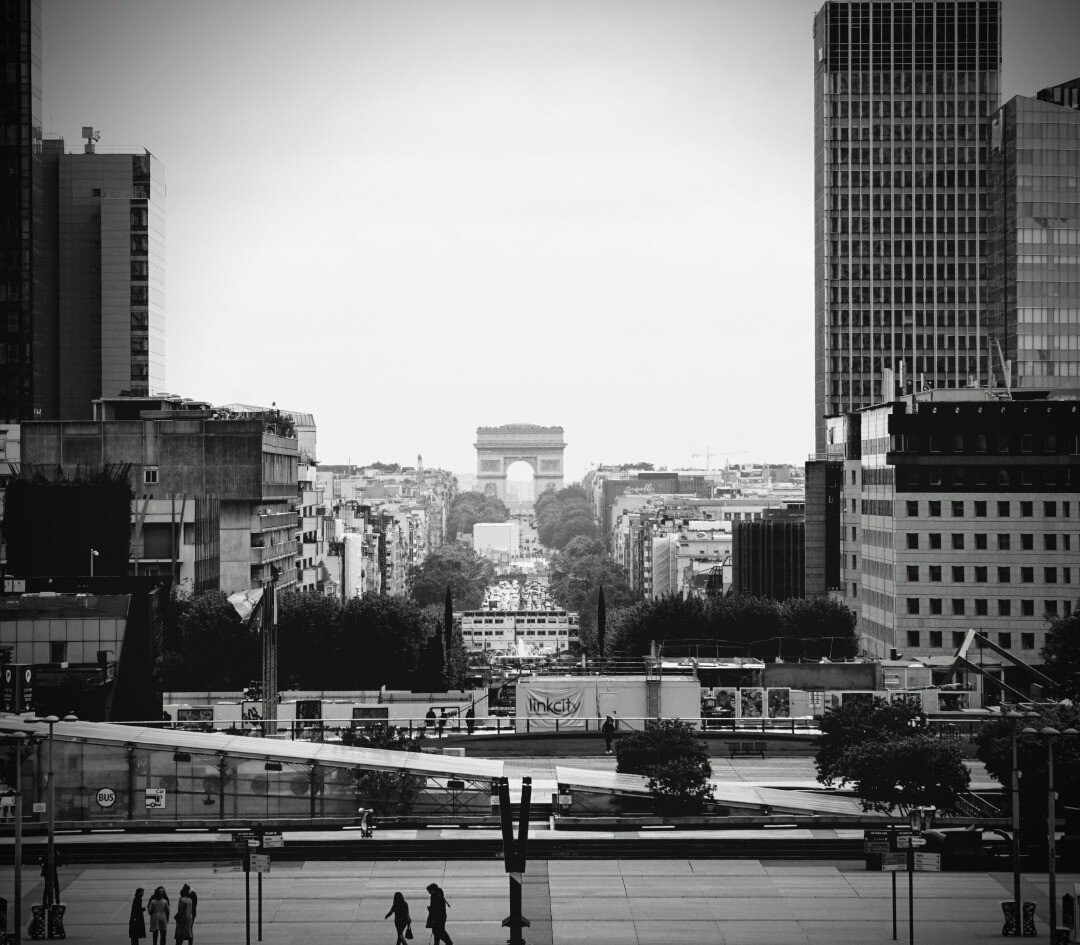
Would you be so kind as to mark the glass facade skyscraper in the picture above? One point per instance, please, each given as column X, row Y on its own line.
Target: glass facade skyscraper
column 1035, row 237
column 903, row 94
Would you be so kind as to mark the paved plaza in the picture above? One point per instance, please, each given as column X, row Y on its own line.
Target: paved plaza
column 650, row 902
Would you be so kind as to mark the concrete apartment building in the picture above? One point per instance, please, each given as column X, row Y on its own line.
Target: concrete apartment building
column 903, row 94
column 1034, row 308
column 959, row 510
column 238, row 480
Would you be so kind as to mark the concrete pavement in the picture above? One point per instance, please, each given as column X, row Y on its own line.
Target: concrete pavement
column 647, row 902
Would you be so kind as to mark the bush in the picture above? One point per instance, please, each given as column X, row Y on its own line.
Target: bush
column 673, row 759
column 916, row 770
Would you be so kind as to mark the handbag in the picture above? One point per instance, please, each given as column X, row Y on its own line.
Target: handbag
column 408, row 930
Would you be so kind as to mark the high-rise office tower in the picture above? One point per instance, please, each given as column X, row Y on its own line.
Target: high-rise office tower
column 903, row 93
column 82, row 310
column 1034, row 259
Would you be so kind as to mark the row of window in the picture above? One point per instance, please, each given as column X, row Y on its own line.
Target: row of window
column 980, row 508
column 907, row 179
column 958, row 607
column 918, row 294
column 936, row 639
column 526, row 633
column 982, row 572
column 958, row 541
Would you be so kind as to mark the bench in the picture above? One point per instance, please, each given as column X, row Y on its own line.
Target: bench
column 746, row 748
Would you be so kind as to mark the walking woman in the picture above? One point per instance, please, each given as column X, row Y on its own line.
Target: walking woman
column 402, row 921
column 182, row 924
column 436, row 915
column 137, row 922
column 158, row 909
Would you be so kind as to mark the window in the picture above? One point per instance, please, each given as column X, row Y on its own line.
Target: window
column 1004, row 575
column 58, row 652
column 958, row 510
column 958, row 573
column 980, row 442
column 913, row 638
column 958, row 638
column 1027, row 575
column 913, row 572
column 1027, row 608
column 1065, row 509
column 980, row 509
column 935, row 572
column 1004, row 608
column 912, row 509
column 935, row 509
column 1050, row 509
column 854, row 562
column 980, row 607
column 1026, row 442
column 1005, row 640
column 1027, row 641
column 1050, row 542
column 935, row 539
column 1050, row 575
column 1003, row 510
column 958, row 541
column 958, row 607
column 150, row 475
column 1003, row 542
column 1066, row 575
column 1051, row 608
column 1003, row 442
column 935, row 638
column 935, row 605
column 1027, row 509
column 980, row 541
column 1027, row 542
column 1066, row 543
column 913, row 605
column 958, row 442
column 912, row 541
column 980, row 574
column 854, row 534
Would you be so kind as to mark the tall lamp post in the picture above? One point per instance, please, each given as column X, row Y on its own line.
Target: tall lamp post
column 50, row 810
column 1050, row 733
column 18, row 740
column 93, row 555
column 1016, row 716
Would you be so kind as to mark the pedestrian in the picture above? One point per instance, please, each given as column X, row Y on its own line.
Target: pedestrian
column 190, row 893
column 436, row 915
column 429, row 719
column 158, row 910
column 51, row 892
column 137, row 922
column 608, row 728
column 402, row 920
column 182, row 926
column 7, row 801
column 470, row 718
column 442, row 721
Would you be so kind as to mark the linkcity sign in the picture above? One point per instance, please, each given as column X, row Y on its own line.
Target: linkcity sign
column 552, row 704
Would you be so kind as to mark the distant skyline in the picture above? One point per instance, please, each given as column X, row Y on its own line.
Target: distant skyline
column 379, row 212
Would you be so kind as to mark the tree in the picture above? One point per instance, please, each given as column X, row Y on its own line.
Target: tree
column 913, row 770
column 309, row 641
column 845, row 728
column 993, row 744
column 675, row 761
column 1061, row 655
column 388, row 793
column 563, row 516
column 206, row 647
column 575, row 584
column 455, row 567
column 468, row 508
column 670, row 617
column 601, row 623
column 814, row 627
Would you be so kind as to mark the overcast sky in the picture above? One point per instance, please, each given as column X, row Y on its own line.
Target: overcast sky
column 414, row 217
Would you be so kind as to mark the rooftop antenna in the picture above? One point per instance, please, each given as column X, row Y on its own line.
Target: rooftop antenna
column 92, row 138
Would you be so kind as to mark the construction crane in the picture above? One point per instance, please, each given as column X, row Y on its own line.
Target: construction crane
column 711, row 451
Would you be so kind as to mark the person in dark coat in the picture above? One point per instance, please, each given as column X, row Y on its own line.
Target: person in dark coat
column 158, row 908
column 400, row 911
column 608, row 728
column 190, row 893
column 470, row 718
column 137, row 922
column 436, row 915
column 182, row 921
column 429, row 719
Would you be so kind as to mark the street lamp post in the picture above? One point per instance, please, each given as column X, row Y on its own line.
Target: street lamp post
column 18, row 739
column 1050, row 733
column 1015, row 791
column 50, row 809
column 93, row 555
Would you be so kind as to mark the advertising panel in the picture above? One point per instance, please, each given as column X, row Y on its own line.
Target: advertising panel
column 751, row 703
column 779, row 704
column 562, row 703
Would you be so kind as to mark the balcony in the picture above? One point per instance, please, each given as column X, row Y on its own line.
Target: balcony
column 275, row 520
column 268, row 553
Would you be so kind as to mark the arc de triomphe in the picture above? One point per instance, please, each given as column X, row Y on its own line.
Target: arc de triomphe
column 497, row 448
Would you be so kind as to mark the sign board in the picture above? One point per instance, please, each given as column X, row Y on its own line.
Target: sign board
column 909, row 843
column 260, row 863
column 17, row 688
column 893, row 862
column 26, row 689
column 39, row 807
column 271, row 840
column 927, row 862
column 7, row 688
column 878, row 842
column 455, row 784
column 105, row 797
column 545, row 705
column 228, row 866
column 155, row 798
column 14, row 585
